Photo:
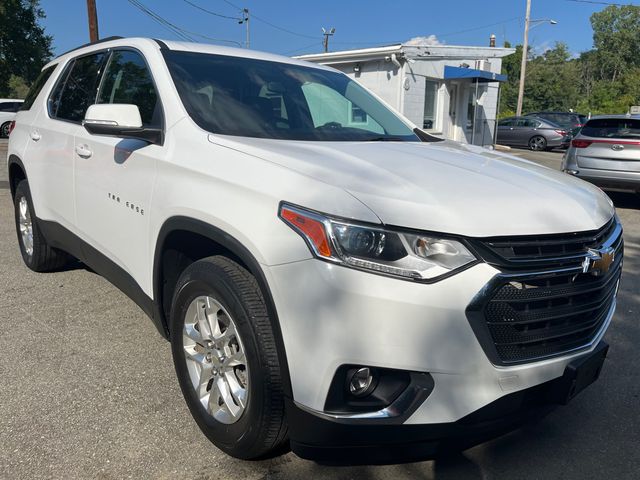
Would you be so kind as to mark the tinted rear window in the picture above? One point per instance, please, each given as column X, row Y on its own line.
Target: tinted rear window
column 612, row 128
column 36, row 87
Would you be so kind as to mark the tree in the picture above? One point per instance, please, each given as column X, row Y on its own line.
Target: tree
column 616, row 38
column 552, row 81
column 24, row 47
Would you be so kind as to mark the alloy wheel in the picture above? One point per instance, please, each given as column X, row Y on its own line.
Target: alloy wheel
column 537, row 143
column 26, row 225
column 215, row 359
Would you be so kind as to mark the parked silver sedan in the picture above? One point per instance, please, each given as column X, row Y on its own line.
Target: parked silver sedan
column 533, row 132
column 606, row 152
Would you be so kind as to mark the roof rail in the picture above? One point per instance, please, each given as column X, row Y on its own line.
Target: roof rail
column 106, row 39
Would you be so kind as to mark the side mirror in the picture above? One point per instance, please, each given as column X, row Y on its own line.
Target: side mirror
column 120, row 120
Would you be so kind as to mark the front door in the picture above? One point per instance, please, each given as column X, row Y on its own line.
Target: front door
column 114, row 177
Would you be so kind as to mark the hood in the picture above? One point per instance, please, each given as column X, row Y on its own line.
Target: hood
column 444, row 186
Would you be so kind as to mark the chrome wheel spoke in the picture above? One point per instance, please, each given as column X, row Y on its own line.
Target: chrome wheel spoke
column 225, row 393
column 235, row 359
column 195, row 356
column 239, row 394
column 204, row 326
column 192, row 334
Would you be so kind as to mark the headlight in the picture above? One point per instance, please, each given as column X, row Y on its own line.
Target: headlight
column 401, row 254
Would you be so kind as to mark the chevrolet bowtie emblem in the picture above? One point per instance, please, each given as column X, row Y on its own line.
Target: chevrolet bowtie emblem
column 598, row 262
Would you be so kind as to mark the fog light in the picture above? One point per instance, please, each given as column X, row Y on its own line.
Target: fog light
column 360, row 382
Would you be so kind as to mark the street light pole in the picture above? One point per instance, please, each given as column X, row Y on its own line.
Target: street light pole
column 523, row 65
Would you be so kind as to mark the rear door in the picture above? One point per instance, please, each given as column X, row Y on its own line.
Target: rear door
column 524, row 129
column 610, row 144
column 51, row 139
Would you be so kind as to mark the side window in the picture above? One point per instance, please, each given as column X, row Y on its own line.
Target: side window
column 36, row 87
column 6, row 107
column 127, row 80
column 77, row 88
column 507, row 122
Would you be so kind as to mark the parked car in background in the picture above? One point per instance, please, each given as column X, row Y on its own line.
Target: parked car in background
column 8, row 109
column 532, row 132
column 607, row 152
column 570, row 121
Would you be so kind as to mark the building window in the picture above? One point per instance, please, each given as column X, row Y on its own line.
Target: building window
column 430, row 105
column 358, row 115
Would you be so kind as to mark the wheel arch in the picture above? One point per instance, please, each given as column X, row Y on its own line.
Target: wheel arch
column 205, row 240
column 17, row 173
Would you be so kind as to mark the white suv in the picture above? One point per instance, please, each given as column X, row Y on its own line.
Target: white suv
column 326, row 273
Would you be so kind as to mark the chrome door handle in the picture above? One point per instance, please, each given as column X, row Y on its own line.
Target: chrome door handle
column 83, row 151
column 35, row 135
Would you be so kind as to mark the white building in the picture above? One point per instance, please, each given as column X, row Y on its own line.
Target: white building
column 451, row 91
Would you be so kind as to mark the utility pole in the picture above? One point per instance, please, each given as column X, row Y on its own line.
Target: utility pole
column 523, row 67
column 245, row 20
column 327, row 34
column 92, row 13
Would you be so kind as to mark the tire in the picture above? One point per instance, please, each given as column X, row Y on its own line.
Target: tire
column 538, row 143
column 4, row 130
column 36, row 252
column 227, row 295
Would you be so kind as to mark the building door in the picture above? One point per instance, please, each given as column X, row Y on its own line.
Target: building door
column 453, row 111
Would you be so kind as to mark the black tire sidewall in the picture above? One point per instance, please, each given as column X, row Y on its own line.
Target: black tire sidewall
column 3, row 127
column 242, row 435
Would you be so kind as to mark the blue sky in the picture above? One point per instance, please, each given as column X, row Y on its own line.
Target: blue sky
column 358, row 23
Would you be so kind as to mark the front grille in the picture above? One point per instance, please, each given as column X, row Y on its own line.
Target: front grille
column 553, row 309
column 546, row 250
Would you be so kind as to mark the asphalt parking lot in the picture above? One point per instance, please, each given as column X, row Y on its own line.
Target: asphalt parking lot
column 88, row 390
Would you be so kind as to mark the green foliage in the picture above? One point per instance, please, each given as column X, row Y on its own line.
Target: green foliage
column 18, row 88
column 603, row 80
column 24, row 47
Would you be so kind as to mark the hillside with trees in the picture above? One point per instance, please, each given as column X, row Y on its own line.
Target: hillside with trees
column 605, row 79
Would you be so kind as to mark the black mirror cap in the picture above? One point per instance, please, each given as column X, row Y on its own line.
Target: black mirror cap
column 147, row 134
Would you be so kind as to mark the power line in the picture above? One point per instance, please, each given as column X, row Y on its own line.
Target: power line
column 272, row 25
column 179, row 31
column 210, row 12
column 168, row 25
column 317, row 43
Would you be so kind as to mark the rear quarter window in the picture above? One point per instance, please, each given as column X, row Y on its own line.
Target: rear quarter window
column 612, row 128
column 35, row 89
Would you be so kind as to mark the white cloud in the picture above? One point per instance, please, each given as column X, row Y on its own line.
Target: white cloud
column 430, row 40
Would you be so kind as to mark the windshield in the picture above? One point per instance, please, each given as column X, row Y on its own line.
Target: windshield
column 612, row 128
column 265, row 99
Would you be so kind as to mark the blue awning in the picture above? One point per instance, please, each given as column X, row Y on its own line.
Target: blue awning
column 482, row 76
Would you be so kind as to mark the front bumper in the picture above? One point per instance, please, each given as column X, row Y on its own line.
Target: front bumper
column 332, row 316
column 355, row 441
